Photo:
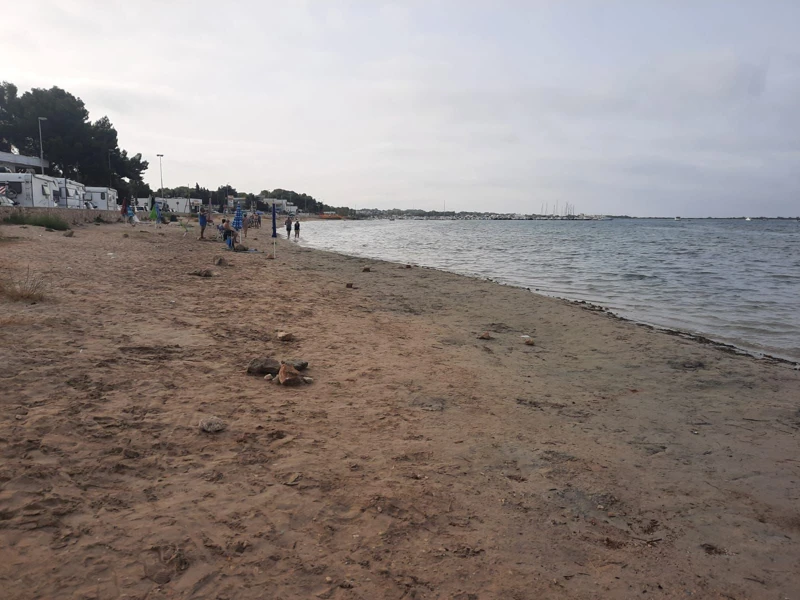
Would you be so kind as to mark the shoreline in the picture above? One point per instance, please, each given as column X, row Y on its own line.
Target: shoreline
column 461, row 439
column 705, row 339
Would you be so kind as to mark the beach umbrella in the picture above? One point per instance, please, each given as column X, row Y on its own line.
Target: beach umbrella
column 237, row 219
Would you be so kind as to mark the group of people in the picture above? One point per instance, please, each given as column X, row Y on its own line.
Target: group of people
column 231, row 236
column 289, row 228
column 249, row 221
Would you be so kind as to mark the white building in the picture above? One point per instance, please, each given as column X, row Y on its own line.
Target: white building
column 19, row 163
column 281, row 206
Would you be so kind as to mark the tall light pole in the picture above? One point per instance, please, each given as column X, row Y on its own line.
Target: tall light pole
column 110, row 172
column 161, row 171
column 41, row 147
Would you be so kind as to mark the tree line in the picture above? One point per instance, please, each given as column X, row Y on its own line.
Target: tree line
column 88, row 151
column 258, row 201
column 77, row 148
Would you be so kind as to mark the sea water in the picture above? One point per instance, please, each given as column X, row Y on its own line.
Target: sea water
column 734, row 281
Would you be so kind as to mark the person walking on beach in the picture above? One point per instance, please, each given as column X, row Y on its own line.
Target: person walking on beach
column 288, row 227
column 245, row 226
column 131, row 216
column 202, row 220
column 296, row 228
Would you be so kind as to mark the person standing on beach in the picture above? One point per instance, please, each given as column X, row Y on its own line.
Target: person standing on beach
column 245, row 226
column 288, row 227
column 296, row 228
column 202, row 220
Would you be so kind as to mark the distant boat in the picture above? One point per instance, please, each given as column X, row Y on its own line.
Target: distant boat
column 748, row 219
column 677, row 218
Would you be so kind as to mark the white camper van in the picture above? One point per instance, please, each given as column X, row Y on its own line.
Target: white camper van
column 102, row 198
column 28, row 189
column 72, row 195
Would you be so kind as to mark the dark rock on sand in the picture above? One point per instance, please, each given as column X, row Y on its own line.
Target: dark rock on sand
column 300, row 365
column 263, row 366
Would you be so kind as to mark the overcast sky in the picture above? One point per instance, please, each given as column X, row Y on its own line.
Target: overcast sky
column 640, row 107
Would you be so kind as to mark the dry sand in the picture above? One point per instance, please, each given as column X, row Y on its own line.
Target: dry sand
column 605, row 461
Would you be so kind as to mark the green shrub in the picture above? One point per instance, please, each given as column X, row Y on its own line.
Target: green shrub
column 51, row 221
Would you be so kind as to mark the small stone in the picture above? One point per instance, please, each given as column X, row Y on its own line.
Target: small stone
column 288, row 375
column 48, row 229
column 263, row 366
column 212, row 425
column 308, row 379
column 162, row 577
column 349, row 286
column 485, row 336
column 365, row 270
column 285, row 336
column 300, row 365
column 69, row 233
column 530, row 342
column 202, row 273
column 408, row 266
column 328, row 579
column 268, row 377
column 219, row 261
column 241, row 248
column 125, row 235
column 130, row 453
column 293, row 479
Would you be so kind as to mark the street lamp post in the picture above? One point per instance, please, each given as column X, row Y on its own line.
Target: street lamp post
column 41, row 147
column 110, row 172
column 161, row 172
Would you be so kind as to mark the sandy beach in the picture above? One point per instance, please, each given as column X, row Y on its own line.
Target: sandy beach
column 605, row 460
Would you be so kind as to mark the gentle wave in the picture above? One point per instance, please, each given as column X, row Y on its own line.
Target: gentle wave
column 735, row 281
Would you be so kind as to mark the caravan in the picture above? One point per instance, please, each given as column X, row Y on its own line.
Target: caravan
column 70, row 196
column 28, row 189
column 101, row 198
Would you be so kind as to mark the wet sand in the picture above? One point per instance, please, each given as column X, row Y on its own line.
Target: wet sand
column 607, row 460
